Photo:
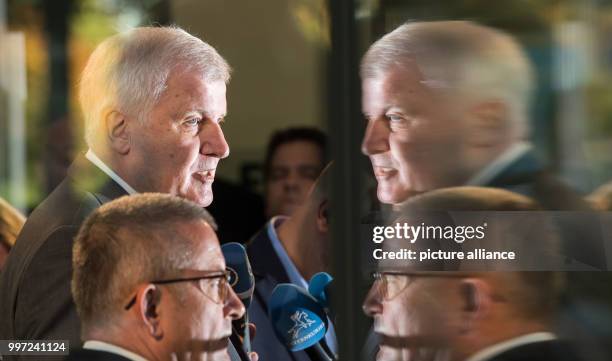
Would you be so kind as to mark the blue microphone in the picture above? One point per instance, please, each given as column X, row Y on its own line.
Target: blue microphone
column 239, row 267
column 299, row 321
column 241, row 280
column 318, row 286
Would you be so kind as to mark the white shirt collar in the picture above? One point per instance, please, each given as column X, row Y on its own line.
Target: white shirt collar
column 294, row 275
column 107, row 347
column 489, row 172
column 106, row 169
column 489, row 352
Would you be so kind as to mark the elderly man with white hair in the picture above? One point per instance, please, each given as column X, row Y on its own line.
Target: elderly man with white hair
column 447, row 104
column 153, row 100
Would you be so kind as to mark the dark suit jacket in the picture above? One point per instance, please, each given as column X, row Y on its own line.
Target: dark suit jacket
column 582, row 243
column 527, row 176
column 35, row 298
column 553, row 350
column 94, row 355
column 269, row 272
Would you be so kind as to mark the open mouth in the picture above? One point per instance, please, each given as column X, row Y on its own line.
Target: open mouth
column 384, row 173
column 205, row 176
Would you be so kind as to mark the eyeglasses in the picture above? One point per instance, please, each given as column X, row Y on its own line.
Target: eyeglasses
column 216, row 291
column 390, row 284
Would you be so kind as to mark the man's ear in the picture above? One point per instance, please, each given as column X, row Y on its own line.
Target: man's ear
column 488, row 121
column 323, row 216
column 475, row 296
column 117, row 131
column 150, row 303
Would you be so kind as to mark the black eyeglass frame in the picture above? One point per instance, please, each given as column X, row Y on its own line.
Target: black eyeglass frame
column 217, row 274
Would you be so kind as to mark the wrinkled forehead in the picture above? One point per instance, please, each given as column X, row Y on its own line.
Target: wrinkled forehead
column 397, row 77
column 403, row 86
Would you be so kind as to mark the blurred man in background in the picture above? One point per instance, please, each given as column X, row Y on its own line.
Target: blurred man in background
column 294, row 159
column 153, row 99
column 149, row 281
column 290, row 250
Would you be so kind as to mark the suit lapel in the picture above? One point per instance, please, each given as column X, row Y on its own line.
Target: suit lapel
column 264, row 260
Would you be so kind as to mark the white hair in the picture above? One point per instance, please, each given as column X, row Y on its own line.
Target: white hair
column 466, row 58
column 128, row 72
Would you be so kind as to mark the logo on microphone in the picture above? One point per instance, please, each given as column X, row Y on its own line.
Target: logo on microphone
column 300, row 322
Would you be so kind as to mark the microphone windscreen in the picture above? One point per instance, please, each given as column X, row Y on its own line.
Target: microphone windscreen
column 241, row 275
column 317, row 287
column 298, row 319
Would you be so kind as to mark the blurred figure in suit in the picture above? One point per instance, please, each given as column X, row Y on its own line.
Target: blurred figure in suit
column 290, row 250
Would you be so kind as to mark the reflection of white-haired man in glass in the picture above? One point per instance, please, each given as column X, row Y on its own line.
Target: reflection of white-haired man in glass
column 149, row 282
column 447, row 104
column 153, row 99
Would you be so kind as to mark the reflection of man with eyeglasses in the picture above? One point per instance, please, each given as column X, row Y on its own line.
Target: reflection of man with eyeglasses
column 150, row 283
column 476, row 317
column 440, row 310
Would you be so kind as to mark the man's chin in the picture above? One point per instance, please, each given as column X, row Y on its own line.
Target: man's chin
column 206, row 201
column 202, row 198
column 392, row 194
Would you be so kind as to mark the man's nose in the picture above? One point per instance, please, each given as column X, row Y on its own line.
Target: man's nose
column 372, row 304
column 292, row 180
column 376, row 138
column 213, row 142
column 233, row 307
